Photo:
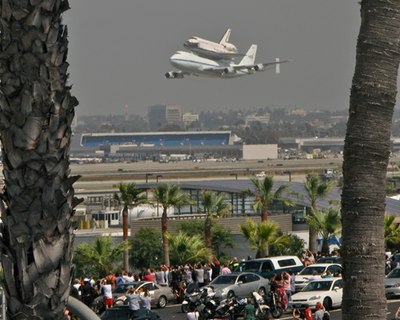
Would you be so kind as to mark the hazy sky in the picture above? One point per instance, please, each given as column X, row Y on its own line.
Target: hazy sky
column 119, row 52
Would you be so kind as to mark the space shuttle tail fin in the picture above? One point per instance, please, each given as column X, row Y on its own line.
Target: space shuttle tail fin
column 225, row 37
column 250, row 56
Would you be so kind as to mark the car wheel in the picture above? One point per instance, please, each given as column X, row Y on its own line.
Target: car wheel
column 162, row 302
column 262, row 291
column 230, row 294
column 327, row 303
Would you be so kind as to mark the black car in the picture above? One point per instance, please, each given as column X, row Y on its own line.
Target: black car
column 124, row 313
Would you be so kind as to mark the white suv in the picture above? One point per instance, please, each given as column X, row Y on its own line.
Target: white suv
column 315, row 272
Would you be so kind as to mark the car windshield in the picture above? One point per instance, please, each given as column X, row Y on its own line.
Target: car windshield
column 318, row 286
column 310, row 270
column 252, row 266
column 395, row 273
column 225, row 279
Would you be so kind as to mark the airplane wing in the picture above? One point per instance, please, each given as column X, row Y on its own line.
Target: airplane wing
column 261, row 66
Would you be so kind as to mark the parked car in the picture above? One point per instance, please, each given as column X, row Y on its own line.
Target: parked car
column 392, row 283
column 160, row 295
column 328, row 291
column 239, row 284
column 124, row 313
column 268, row 267
column 332, row 259
column 315, row 272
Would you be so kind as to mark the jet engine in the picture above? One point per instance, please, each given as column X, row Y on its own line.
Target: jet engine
column 229, row 70
column 173, row 75
column 258, row 67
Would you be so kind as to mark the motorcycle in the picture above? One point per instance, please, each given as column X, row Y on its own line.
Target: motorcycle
column 193, row 299
column 262, row 310
column 275, row 306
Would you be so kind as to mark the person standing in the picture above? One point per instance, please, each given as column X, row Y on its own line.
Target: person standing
column 146, row 300
column 199, row 271
column 106, row 289
column 87, row 293
column 249, row 310
column 133, row 300
column 320, row 314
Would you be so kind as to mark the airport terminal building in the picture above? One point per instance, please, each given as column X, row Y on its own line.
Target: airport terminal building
column 165, row 146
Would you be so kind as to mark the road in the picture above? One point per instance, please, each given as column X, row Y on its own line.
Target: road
column 174, row 312
column 101, row 176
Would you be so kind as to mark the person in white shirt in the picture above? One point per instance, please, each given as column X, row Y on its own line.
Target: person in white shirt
column 106, row 290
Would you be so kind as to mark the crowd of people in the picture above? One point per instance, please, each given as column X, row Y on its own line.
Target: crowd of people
column 179, row 278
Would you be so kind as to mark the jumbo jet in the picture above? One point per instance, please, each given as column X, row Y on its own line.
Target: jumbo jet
column 188, row 63
column 213, row 50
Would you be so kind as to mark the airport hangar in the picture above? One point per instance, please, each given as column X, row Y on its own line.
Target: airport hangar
column 172, row 145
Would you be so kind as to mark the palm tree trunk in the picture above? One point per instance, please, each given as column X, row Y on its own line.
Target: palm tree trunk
column 37, row 204
column 313, row 235
column 366, row 153
column 207, row 232
column 125, row 227
column 164, row 231
column 264, row 213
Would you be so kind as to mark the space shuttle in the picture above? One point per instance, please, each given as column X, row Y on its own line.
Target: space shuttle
column 222, row 50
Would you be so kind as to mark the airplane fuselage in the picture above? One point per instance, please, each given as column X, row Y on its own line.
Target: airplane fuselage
column 199, row 66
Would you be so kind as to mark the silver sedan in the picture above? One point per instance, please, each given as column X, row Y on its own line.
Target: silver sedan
column 239, row 284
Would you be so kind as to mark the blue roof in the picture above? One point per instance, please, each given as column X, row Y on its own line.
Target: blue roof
column 196, row 138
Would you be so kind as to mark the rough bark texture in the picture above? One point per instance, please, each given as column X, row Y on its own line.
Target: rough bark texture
column 366, row 154
column 164, row 231
column 35, row 127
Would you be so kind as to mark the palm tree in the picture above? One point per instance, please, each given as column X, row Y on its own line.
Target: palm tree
column 261, row 235
column 100, row 257
column 315, row 189
column 265, row 195
column 326, row 224
column 366, row 156
column 186, row 248
column 391, row 229
column 214, row 206
column 38, row 201
column 130, row 196
column 168, row 195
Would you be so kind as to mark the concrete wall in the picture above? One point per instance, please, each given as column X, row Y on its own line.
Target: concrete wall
column 260, row 151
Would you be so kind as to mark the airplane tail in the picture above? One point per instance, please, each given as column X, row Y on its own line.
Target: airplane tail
column 250, row 56
column 225, row 37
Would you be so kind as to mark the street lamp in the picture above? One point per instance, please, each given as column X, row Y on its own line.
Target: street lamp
column 147, row 176
column 159, row 176
column 290, row 175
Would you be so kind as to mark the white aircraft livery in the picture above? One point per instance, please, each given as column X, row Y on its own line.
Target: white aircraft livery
column 214, row 50
column 188, row 63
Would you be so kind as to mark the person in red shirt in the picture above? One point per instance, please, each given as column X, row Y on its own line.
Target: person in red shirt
column 305, row 314
column 308, row 313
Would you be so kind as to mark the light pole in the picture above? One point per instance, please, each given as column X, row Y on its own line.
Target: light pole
column 290, row 175
column 159, row 176
column 147, row 176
